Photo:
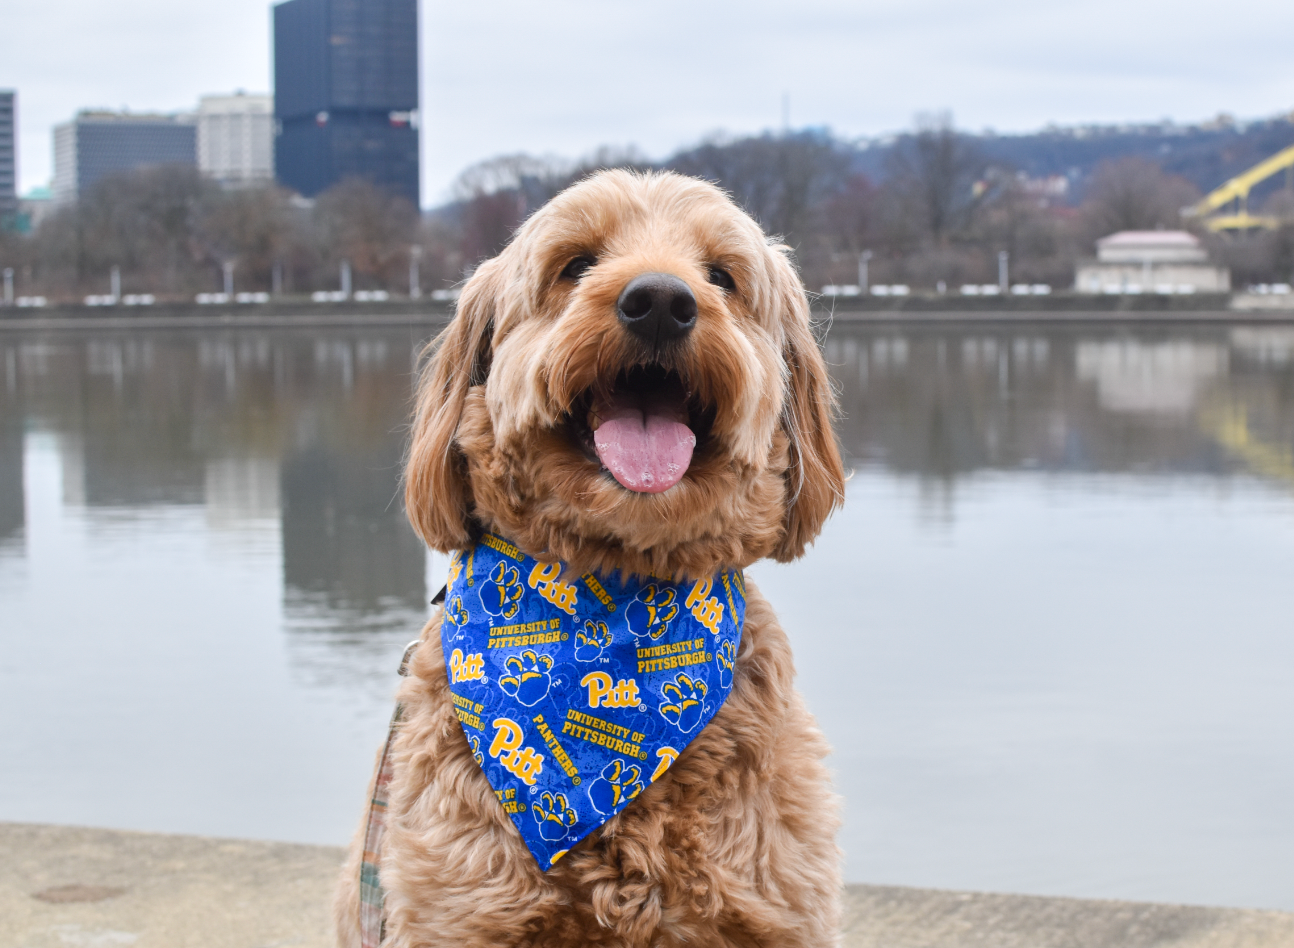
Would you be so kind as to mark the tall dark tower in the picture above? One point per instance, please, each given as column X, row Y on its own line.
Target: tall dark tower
column 346, row 94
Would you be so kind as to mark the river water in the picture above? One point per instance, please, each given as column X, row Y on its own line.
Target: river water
column 1050, row 635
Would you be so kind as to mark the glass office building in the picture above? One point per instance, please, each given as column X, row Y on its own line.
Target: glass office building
column 96, row 144
column 346, row 94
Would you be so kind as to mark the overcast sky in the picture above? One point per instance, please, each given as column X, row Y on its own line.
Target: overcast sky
column 565, row 76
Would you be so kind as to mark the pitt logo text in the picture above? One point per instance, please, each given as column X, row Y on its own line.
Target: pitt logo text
column 524, row 762
column 706, row 609
column 624, row 694
column 466, row 668
column 545, row 578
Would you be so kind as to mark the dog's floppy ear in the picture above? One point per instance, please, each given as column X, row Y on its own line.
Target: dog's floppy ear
column 815, row 479
column 436, row 496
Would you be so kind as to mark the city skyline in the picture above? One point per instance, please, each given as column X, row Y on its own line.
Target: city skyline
column 556, row 80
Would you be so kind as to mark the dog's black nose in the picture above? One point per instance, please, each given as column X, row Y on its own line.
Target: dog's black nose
column 657, row 308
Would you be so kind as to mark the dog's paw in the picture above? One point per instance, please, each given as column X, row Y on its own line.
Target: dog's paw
column 619, row 783
column 554, row 816
column 501, row 593
column 684, row 702
column 528, row 679
column 590, row 643
column 456, row 615
column 726, row 659
column 651, row 611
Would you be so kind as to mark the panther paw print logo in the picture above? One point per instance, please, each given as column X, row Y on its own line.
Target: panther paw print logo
column 620, row 782
column 456, row 615
column 684, row 702
column 726, row 659
column 477, row 756
column 651, row 611
column 528, row 679
column 590, row 643
column 554, row 816
column 501, row 593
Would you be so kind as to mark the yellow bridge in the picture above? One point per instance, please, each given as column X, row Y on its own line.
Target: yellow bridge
column 1237, row 190
column 1229, row 426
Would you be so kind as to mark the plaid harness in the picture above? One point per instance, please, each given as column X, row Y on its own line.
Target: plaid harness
column 372, row 923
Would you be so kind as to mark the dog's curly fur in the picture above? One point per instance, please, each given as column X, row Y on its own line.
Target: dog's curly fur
column 734, row 845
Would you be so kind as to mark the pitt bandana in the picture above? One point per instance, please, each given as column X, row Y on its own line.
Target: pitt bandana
column 575, row 693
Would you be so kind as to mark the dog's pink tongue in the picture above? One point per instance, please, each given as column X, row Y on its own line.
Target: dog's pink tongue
column 646, row 451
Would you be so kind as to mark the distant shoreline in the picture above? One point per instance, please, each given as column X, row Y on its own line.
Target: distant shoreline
column 236, row 321
column 1240, row 309
column 1059, row 317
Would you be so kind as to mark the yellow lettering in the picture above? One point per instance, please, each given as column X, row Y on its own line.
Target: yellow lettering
column 525, row 763
column 624, row 694
column 466, row 668
column 706, row 608
column 545, row 578
column 699, row 592
column 599, row 685
column 506, row 738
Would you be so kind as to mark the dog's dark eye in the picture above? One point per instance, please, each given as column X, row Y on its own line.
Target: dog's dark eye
column 578, row 267
column 722, row 279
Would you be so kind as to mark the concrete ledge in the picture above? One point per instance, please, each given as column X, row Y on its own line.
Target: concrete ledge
column 887, row 917
column 66, row 887
column 174, row 891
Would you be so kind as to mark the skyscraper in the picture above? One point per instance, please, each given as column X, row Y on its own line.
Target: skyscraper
column 8, row 159
column 346, row 94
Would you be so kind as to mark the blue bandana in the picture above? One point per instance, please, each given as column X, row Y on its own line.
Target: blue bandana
column 575, row 693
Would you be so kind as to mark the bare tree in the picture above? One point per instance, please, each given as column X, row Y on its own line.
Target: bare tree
column 144, row 222
column 371, row 228
column 255, row 228
column 779, row 179
column 508, row 173
column 1135, row 194
column 936, row 170
column 494, row 196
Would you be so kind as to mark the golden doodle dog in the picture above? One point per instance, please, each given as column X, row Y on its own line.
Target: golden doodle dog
column 651, row 307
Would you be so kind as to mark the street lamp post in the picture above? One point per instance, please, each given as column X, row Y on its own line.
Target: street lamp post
column 229, row 277
column 8, row 286
column 415, row 288
column 1002, row 258
column 863, row 258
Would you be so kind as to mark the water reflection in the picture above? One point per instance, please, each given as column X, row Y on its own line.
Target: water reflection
column 304, row 431
column 944, row 403
column 11, row 483
column 254, row 428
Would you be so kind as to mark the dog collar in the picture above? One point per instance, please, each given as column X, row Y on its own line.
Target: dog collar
column 576, row 692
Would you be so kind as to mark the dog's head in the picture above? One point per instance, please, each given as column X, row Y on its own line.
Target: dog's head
column 631, row 384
